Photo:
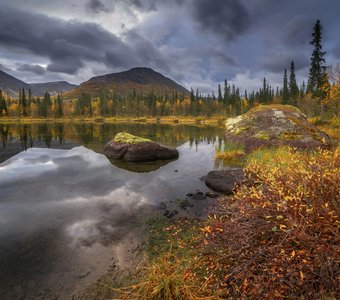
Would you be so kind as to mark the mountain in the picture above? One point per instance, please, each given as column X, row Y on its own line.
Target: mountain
column 11, row 85
column 54, row 88
column 142, row 80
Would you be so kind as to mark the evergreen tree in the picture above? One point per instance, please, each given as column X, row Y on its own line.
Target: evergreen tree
column 285, row 89
column 59, row 107
column 293, row 87
column 219, row 95
column 46, row 104
column 277, row 94
column 2, row 110
column 317, row 71
column 192, row 95
column 226, row 93
column 24, row 103
column 303, row 89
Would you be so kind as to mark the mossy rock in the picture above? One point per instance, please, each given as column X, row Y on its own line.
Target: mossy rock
column 128, row 147
column 275, row 125
column 127, row 138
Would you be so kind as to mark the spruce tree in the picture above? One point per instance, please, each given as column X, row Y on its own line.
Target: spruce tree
column 59, row 107
column 46, row 105
column 293, row 87
column 302, row 89
column 317, row 71
column 219, row 95
column 24, row 103
column 1, row 105
column 285, row 90
column 226, row 93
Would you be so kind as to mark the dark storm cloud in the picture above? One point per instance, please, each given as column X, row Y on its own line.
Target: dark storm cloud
column 152, row 5
column 70, row 44
column 36, row 69
column 279, row 61
column 96, row 6
column 197, row 42
column 145, row 50
column 298, row 31
column 228, row 18
column 4, row 68
column 336, row 51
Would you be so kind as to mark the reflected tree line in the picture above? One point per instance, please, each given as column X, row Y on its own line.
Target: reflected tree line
column 27, row 134
column 95, row 136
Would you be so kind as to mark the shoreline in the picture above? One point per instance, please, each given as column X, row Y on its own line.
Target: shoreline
column 214, row 120
column 117, row 279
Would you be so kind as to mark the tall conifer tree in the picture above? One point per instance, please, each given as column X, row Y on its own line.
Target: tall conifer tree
column 317, row 71
column 285, row 89
column 293, row 87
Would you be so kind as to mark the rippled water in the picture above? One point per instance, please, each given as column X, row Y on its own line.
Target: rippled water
column 66, row 211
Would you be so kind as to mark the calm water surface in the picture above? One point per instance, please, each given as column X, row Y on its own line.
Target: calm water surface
column 67, row 212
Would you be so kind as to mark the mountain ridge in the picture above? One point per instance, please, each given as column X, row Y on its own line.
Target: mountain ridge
column 140, row 79
column 11, row 85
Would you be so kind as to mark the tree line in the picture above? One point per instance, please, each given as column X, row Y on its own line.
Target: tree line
column 319, row 95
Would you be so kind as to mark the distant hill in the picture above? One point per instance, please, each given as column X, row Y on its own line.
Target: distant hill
column 54, row 88
column 142, row 80
column 11, row 86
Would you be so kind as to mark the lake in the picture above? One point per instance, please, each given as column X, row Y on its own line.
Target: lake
column 67, row 212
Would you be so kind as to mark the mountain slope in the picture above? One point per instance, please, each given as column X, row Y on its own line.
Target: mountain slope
column 54, row 88
column 11, row 85
column 142, row 80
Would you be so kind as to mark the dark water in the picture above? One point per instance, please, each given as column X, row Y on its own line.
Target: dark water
column 67, row 212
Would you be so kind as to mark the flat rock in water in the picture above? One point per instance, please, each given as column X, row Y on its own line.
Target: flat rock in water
column 274, row 125
column 128, row 147
column 224, row 181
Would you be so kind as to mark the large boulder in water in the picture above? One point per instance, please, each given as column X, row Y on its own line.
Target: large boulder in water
column 128, row 147
column 271, row 125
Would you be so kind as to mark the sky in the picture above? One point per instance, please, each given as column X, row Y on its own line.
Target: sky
column 197, row 43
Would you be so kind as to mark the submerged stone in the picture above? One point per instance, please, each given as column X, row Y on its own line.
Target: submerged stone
column 132, row 148
column 267, row 125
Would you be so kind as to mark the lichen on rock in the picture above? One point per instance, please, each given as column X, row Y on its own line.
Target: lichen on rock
column 275, row 125
column 127, row 138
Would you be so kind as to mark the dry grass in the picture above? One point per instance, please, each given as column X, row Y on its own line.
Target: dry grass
column 280, row 236
column 276, row 238
column 230, row 151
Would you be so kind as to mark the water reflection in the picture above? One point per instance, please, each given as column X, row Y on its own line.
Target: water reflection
column 64, row 213
column 95, row 136
column 140, row 167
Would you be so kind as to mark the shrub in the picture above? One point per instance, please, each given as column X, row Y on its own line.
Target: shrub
column 280, row 237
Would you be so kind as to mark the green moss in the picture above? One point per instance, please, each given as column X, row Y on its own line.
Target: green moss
column 127, row 138
column 263, row 135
